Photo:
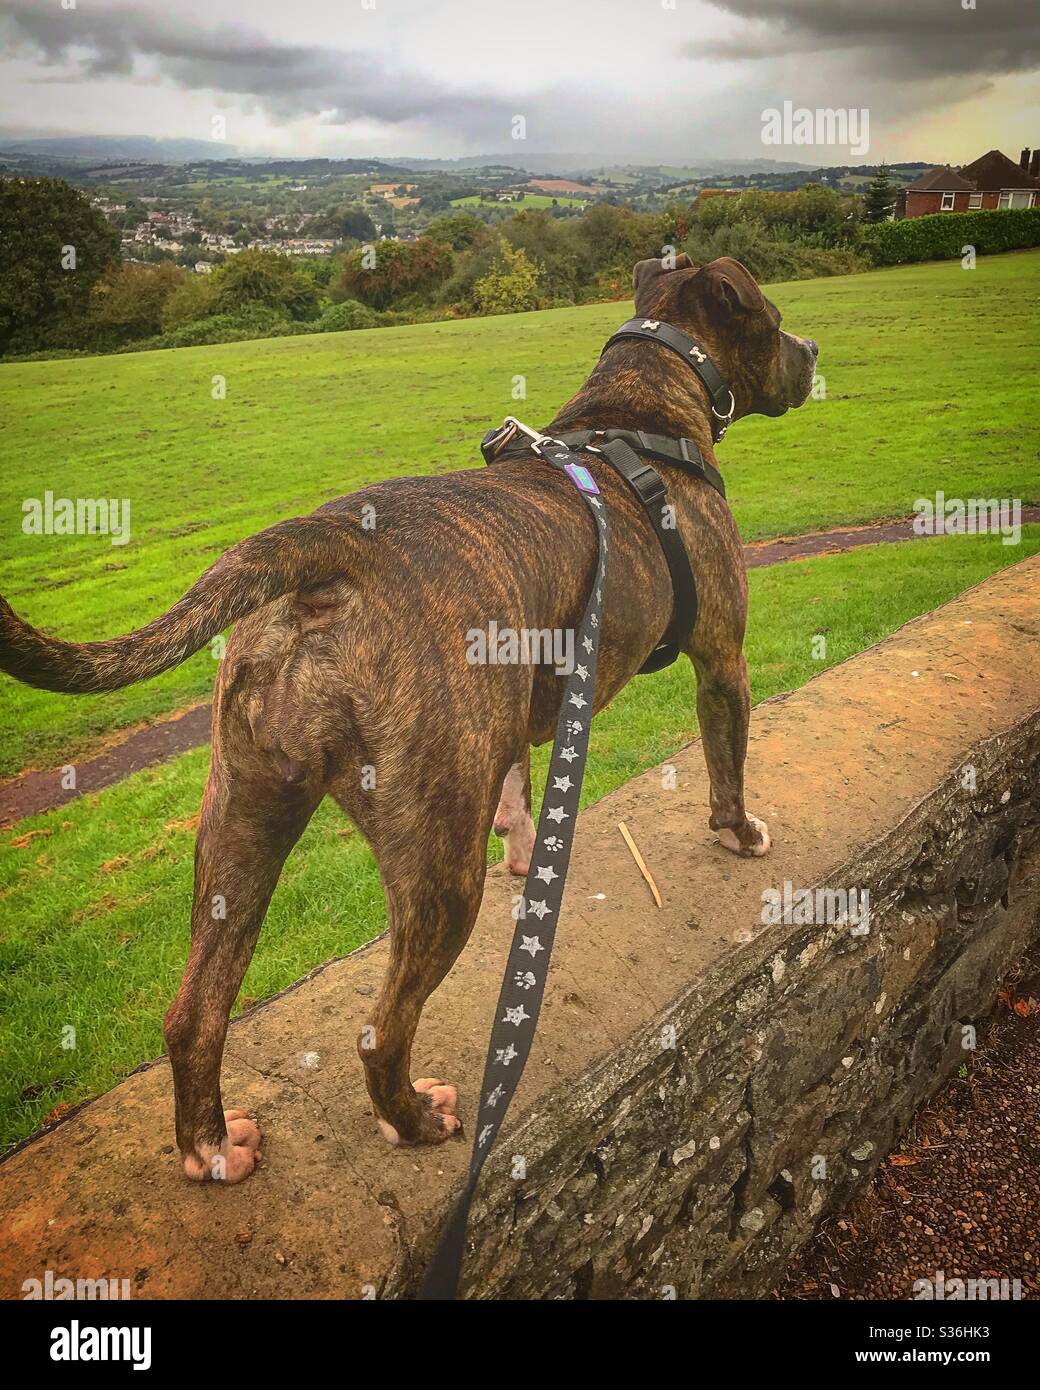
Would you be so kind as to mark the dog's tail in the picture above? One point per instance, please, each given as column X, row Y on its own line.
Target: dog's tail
column 299, row 553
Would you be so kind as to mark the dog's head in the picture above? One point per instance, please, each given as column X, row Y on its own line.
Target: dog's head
column 722, row 308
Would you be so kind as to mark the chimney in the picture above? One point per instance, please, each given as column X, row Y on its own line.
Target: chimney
column 1023, row 159
column 1034, row 167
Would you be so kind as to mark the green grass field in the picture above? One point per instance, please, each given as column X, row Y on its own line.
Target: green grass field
column 929, row 376
column 529, row 200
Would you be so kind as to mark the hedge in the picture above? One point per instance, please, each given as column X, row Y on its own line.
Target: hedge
column 943, row 235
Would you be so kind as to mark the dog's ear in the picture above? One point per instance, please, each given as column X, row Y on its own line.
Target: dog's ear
column 647, row 272
column 730, row 287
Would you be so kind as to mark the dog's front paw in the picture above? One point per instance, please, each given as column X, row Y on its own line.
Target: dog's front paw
column 233, row 1159
column 750, row 841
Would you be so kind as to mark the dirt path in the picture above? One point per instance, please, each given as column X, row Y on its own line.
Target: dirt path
column 33, row 792
column 962, row 1195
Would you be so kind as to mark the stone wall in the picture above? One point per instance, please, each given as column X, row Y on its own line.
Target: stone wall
column 704, row 1085
column 698, row 1156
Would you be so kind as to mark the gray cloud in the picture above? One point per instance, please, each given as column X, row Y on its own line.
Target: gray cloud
column 905, row 39
column 288, row 81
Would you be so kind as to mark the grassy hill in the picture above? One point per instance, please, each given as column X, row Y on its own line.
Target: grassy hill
column 928, row 385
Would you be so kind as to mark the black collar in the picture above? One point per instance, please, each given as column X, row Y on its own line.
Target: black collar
column 654, row 330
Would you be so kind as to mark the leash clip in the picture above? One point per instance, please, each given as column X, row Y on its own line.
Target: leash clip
column 538, row 441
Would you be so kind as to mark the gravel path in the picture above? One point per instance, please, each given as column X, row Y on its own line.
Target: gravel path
column 962, row 1195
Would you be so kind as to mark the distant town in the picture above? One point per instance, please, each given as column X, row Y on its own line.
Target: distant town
column 198, row 213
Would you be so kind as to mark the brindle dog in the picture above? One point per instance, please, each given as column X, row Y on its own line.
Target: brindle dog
column 346, row 675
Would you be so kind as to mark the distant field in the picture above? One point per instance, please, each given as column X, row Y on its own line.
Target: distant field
column 930, row 375
column 529, row 200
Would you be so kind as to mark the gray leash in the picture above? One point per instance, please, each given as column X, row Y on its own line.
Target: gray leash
column 520, row 1000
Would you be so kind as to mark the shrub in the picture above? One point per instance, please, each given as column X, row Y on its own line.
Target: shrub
column 943, row 235
column 511, row 285
column 253, row 321
column 389, row 271
column 266, row 278
column 129, row 301
column 346, row 315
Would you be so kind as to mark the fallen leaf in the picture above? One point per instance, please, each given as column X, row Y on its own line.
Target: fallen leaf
column 902, row 1160
column 23, row 840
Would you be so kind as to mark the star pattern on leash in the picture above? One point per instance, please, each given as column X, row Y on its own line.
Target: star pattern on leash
column 565, row 776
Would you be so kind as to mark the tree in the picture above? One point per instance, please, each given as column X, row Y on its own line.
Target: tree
column 879, row 198
column 511, row 285
column 345, row 223
column 382, row 274
column 457, row 230
column 194, row 298
column 128, row 301
column 53, row 248
column 264, row 277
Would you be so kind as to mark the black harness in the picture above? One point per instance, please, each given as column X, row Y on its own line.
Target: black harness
column 626, row 451
column 538, row 910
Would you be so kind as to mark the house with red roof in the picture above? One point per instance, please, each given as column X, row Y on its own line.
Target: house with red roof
column 991, row 181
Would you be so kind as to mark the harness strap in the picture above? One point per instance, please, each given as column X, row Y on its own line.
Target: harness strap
column 618, row 448
column 520, row 999
column 680, row 453
column 650, row 488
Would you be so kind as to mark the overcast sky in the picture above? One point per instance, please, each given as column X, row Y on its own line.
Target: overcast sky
column 650, row 80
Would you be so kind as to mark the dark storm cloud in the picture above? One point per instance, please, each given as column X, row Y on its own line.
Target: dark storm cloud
column 890, row 38
column 288, row 81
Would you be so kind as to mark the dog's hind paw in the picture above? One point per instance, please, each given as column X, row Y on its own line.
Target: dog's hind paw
column 750, row 843
column 439, row 1121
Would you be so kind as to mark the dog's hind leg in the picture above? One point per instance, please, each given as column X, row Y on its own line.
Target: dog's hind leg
column 432, row 902
column 513, row 818
column 431, row 913
column 251, row 818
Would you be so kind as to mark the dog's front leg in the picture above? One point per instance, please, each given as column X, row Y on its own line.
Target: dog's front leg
column 513, row 818
column 724, row 710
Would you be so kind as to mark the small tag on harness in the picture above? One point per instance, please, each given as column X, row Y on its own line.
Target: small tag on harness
column 581, row 477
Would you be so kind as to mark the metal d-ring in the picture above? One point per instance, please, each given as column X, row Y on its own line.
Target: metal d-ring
column 727, row 419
